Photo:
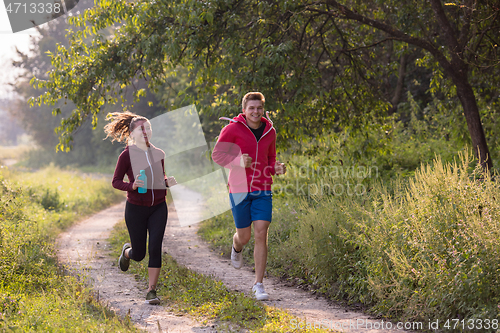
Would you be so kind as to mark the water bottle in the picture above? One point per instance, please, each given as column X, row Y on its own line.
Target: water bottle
column 142, row 176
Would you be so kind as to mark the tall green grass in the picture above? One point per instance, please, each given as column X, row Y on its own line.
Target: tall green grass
column 35, row 295
column 433, row 246
column 421, row 248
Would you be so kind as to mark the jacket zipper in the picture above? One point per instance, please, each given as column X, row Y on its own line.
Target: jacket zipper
column 257, row 150
column 152, row 178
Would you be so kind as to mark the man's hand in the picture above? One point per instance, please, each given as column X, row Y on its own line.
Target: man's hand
column 280, row 168
column 245, row 161
column 170, row 181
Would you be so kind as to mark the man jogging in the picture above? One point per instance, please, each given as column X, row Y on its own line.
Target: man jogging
column 247, row 146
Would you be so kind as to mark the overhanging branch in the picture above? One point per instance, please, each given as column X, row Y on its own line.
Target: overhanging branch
column 342, row 11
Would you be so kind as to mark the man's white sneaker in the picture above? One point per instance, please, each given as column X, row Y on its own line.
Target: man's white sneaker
column 259, row 292
column 236, row 259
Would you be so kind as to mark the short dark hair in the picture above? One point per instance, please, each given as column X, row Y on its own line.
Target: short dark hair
column 252, row 96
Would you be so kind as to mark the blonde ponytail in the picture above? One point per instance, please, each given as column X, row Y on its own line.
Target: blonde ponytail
column 121, row 124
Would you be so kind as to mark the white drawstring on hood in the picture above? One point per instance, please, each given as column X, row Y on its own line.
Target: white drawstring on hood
column 234, row 121
column 226, row 118
column 267, row 116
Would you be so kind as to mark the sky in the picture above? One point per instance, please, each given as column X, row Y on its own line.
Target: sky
column 8, row 42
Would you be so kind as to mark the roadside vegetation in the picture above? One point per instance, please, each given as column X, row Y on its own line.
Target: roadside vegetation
column 381, row 117
column 35, row 293
column 408, row 241
column 14, row 152
column 207, row 300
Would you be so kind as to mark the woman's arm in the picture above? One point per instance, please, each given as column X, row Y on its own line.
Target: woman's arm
column 121, row 168
column 169, row 181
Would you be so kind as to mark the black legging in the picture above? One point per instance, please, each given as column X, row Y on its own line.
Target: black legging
column 140, row 220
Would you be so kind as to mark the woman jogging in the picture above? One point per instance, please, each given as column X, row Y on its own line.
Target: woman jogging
column 144, row 212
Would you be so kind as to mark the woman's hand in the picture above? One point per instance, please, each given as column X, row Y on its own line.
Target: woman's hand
column 137, row 183
column 170, row 181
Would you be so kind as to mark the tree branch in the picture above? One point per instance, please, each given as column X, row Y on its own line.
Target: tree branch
column 483, row 33
column 369, row 46
column 397, row 34
column 464, row 32
column 450, row 37
column 343, row 11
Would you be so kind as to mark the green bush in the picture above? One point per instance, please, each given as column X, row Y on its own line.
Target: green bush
column 428, row 250
column 436, row 245
column 51, row 201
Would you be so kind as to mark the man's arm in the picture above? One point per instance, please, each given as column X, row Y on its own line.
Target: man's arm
column 226, row 153
column 275, row 167
column 271, row 157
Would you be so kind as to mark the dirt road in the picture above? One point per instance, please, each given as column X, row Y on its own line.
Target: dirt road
column 83, row 249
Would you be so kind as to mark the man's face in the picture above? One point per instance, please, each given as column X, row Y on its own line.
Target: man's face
column 254, row 111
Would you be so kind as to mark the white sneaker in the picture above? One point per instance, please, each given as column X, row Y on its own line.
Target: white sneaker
column 259, row 292
column 236, row 259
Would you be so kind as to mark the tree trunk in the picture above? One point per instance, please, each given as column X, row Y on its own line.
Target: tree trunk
column 471, row 112
column 400, row 85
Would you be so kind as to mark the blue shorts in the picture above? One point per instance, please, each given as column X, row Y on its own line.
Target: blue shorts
column 248, row 207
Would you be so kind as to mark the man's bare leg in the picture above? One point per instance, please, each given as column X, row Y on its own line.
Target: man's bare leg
column 260, row 250
column 241, row 237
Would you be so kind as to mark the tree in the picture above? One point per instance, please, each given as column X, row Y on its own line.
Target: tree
column 38, row 121
column 464, row 36
column 9, row 128
column 317, row 60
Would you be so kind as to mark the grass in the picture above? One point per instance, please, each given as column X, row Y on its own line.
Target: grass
column 61, row 197
column 35, row 294
column 207, row 300
column 14, row 152
column 65, row 307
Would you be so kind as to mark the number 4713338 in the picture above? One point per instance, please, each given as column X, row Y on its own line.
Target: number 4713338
column 471, row 324
column 40, row 8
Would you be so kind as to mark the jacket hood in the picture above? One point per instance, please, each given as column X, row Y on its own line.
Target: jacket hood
column 241, row 118
column 134, row 147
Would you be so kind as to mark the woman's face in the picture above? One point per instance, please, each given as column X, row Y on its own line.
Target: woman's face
column 142, row 132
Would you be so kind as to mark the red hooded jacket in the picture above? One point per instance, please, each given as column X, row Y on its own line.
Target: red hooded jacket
column 236, row 139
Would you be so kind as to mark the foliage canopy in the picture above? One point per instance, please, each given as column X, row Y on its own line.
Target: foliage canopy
column 319, row 63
